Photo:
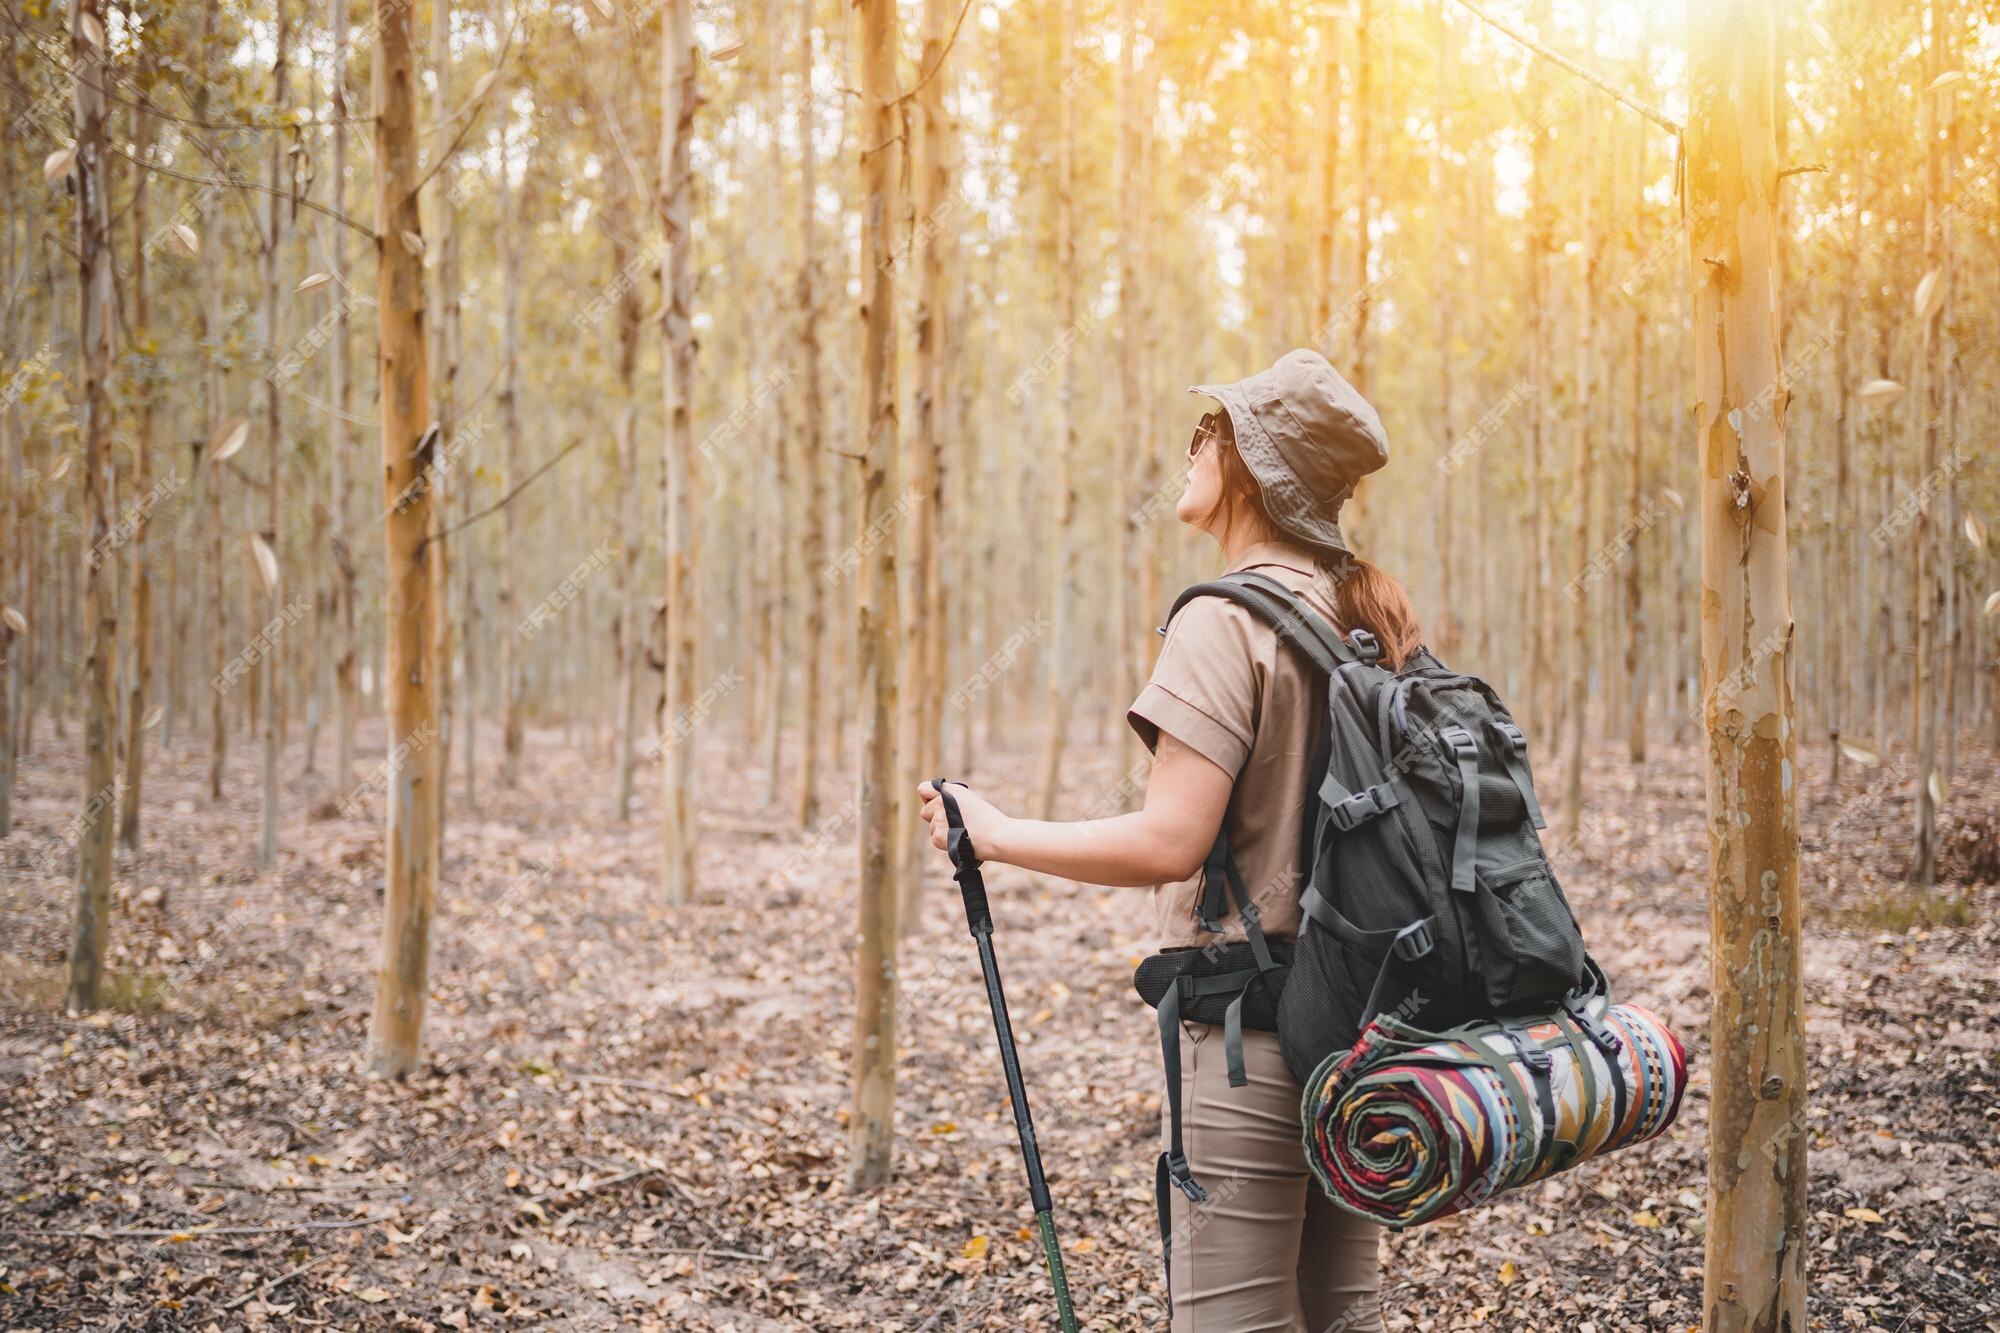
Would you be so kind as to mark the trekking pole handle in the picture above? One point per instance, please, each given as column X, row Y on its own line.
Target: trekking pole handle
column 964, row 863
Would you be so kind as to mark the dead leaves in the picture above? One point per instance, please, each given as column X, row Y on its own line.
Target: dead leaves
column 229, row 440
column 1928, row 299
column 264, row 558
column 615, row 1078
column 1866, row 755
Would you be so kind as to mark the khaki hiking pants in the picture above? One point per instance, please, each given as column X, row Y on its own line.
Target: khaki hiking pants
column 1268, row 1252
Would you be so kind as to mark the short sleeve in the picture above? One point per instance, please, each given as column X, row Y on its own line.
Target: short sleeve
column 1204, row 687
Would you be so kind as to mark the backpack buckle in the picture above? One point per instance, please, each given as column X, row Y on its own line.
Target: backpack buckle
column 1461, row 742
column 1366, row 646
column 1513, row 735
column 1363, row 806
column 1414, row 941
column 1182, row 1175
column 1605, row 1039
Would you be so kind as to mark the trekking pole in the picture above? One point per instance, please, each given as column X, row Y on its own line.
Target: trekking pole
column 979, row 920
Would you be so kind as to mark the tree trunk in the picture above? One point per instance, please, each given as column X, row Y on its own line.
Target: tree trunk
column 1756, row 1238
column 317, row 657
column 1637, row 643
column 1845, row 515
column 1057, row 671
column 96, row 324
column 346, row 582
column 212, row 336
column 510, row 436
column 813, row 530
column 776, row 498
column 1634, row 600
column 1446, row 537
column 1537, row 612
column 453, row 619
column 1153, row 470
column 11, row 513
column 1583, row 418
column 270, row 668
column 920, row 458
column 1360, row 301
column 145, row 360
column 631, row 623
column 679, row 829
column 871, row 1125
column 629, row 661
column 409, row 452
column 1926, row 592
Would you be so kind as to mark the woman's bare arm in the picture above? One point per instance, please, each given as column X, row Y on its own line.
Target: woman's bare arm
column 1166, row 840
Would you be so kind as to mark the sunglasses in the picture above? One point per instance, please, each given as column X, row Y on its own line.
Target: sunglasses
column 1208, row 428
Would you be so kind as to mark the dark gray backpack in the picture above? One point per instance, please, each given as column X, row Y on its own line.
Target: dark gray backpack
column 1424, row 889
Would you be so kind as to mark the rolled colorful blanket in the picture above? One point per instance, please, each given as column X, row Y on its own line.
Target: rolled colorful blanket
column 1409, row 1126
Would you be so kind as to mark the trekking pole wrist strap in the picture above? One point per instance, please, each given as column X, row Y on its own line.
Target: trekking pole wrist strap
column 964, row 863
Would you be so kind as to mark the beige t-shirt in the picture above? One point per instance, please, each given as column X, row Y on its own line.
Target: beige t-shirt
column 1225, row 687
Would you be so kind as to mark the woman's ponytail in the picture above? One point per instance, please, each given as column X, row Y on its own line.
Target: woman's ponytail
column 1375, row 601
column 1368, row 598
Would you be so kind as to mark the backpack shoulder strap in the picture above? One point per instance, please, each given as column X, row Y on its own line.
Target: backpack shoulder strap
column 1284, row 611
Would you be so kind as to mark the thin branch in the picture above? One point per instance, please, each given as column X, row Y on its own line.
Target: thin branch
column 938, row 64
column 335, row 214
column 319, row 404
column 196, row 1233
column 492, row 380
column 894, row 138
column 219, row 158
column 709, row 1252
column 278, row 1281
column 611, row 122
column 468, row 111
column 501, row 503
column 1657, row 117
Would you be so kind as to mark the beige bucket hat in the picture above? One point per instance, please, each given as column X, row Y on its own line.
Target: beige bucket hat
column 1307, row 436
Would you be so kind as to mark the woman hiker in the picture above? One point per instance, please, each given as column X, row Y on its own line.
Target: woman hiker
column 1229, row 717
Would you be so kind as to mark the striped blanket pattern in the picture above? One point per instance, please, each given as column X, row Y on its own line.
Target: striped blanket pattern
column 1409, row 1126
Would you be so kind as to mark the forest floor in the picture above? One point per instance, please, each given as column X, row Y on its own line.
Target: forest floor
column 631, row 1116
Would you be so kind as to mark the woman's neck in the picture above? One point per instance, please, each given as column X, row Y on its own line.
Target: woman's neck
column 1241, row 532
